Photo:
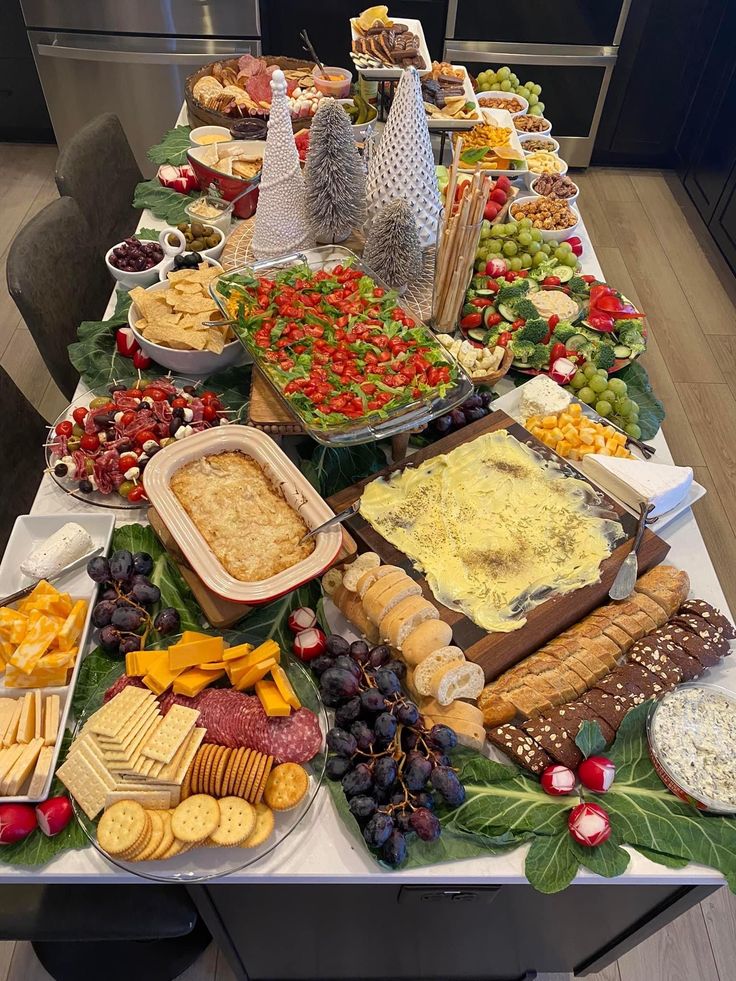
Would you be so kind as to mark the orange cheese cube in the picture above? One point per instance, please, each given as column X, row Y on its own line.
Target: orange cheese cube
column 254, row 674
column 563, row 447
column 194, row 680
column 131, row 664
column 196, row 652
column 549, row 422
column 72, row 629
column 271, row 700
column 59, row 605
column 39, row 635
column 284, row 686
column 13, row 625
column 575, row 409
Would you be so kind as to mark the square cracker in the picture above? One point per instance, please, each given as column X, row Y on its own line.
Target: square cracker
column 86, row 782
column 171, row 732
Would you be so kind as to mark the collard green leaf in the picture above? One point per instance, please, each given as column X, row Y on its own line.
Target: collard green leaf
column 94, row 354
column 589, row 739
column 651, row 410
column 551, row 863
column 173, row 147
column 608, row 859
column 98, row 671
column 670, row 861
column 165, row 204
column 270, row 620
column 148, row 234
column 331, row 469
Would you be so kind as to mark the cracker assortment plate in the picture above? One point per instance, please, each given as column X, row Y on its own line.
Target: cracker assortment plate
column 233, row 806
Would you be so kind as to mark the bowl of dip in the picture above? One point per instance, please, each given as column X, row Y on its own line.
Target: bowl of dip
column 211, row 210
column 692, row 745
column 205, row 135
column 332, row 81
column 555, row 302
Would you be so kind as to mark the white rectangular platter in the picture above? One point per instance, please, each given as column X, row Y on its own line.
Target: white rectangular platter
column 384, row 74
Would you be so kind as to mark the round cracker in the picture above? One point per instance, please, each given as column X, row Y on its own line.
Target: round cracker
column 264, row 827
column 197, row 771
column 244, row 776
column 242, row 767
column 211, row 769
column 237, row 821
column 195, row 818
column 220, row 771
column 167, row 838
column 258, row 760
column 286, row 786
column 154, row 838
column 232, row 772
column 258, row 791
column 122, row 826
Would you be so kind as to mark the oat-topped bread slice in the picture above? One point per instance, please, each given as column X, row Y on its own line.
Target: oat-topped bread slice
column 614, row 684
column 607, row 708
column 705, row 630
column 520, row 747
column 554, row 741
column 711, row 615
column 665, row 585
column 640, row 680
column 702, row 650
column 655, row 661
column 570, row 717
column 688, row 665
column 649, row 606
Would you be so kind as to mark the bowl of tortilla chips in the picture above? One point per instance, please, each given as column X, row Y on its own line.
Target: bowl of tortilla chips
column 167, row 320
column 233, row 168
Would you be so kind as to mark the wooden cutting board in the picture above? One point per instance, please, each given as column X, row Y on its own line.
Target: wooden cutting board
column 495, row 652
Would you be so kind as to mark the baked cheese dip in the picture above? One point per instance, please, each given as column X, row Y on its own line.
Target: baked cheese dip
column 252, row 530
column 494, row 527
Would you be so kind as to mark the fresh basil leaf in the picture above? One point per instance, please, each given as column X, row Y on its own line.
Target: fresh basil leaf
column 651, row 410
column 165, row 204
column 551, row 864
column 589, row 739
column 475, row 155
column 173, row 147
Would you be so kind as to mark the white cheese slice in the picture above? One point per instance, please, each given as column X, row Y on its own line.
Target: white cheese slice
column 632, row 481
column 65, row 545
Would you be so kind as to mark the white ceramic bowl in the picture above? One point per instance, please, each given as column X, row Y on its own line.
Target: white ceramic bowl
column 483, row 97
column 146, row 277
column 524, row 138
column 361, row 130
column 542, row 132
column 168, row 264
column 209, row 131
column 214, row 253
column 185, row 362
column 559, row 235
column 536, row 193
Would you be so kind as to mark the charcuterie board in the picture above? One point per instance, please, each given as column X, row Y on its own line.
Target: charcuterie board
column 497, row 651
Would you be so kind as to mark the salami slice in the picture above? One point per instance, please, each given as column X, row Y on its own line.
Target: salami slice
column 295, row 739
column 258, row 88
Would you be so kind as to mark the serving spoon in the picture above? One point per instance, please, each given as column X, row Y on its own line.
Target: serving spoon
column 337, row 520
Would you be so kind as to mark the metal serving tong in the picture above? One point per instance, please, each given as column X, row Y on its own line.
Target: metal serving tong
column 20, row 593
column 623, row 585
column 337, row 520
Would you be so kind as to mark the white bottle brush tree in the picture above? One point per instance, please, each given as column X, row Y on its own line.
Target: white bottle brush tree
column 392, row 249
column 334, row 176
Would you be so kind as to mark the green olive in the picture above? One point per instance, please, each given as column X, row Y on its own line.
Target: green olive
column 183, row 227
column 125, row 488
column 172, row 240
column 197, row 229
column 212, row 241
column 89, row 466
column 98, row 402
column 73, row 443
column 196, row 245
column 77, row 430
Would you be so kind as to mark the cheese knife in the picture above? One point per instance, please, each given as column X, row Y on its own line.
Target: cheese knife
column 623, row 585
column 25, row 590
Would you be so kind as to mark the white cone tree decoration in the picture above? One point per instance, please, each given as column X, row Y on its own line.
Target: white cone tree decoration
column 333, row 176
column 403, row 164
column 392, row 249
column 281, row 223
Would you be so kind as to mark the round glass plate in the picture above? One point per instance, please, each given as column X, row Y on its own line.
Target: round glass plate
column 112, row 500
column 204, row 863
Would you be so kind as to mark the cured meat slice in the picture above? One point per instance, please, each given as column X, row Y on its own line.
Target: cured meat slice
column 258, row 87
column 294, row 739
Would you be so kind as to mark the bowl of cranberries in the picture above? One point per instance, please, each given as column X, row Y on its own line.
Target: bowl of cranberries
column 135, row 263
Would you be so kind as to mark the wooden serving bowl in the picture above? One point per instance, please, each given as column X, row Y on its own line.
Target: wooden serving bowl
column 495, row 376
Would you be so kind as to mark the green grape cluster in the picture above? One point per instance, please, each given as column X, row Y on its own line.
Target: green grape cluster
column 521, row 245
column 608, row 396
column 504, row 80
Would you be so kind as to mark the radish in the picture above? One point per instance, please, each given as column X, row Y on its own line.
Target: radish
column 562, row 371
column 302, row 619
column 557, row 780
column 589, row 825
column 125, row 342
column 309, row 644
column 16, row 822
column 54, row 815
column 597, row 773
column 496, row 267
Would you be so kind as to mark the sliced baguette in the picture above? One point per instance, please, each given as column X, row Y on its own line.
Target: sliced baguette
column 458, row 711
column 461, row 679
column 373, row 575
column 390, row 597
column 424, row 672
column 497, row 710
column 403, row 618
column 468, row 733
column 650, row 607
column 371, row 600
column 348, row 603
column 424, row 639
column 666, row 585
column 357, row 568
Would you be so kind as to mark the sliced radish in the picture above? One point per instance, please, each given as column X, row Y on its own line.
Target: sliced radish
column 16, row 822
column 562, row 371
column 589, row 825
column 302, row 619
column 597, row 773
column 310, row 643
column 54, row 815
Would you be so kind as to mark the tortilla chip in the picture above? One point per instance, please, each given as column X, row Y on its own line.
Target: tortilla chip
column 173, row 317
column 215, row 340
column 224, row 166
column 194, row 304
column 188, row 287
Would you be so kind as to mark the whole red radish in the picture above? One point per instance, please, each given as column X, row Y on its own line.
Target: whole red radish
column 54, row 815
column 589, row 824
column 16, row 822
column 309, row 644
column 302, row 619
column 557, row 780
column 597, row 773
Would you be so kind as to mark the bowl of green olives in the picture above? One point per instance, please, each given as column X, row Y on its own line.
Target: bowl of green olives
column 194, row 236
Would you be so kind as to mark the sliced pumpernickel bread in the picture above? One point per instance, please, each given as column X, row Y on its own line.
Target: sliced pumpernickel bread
column 703, row 651
column 554, row 741
column 655, row 661
column 520, row 747
column 607, row 708
column 711, row 615
column 708, row 632
column 690, row 667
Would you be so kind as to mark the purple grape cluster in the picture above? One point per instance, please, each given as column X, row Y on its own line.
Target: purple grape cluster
column 391, row 766
column 122, row 613
column 472, row 409
column 135, row 256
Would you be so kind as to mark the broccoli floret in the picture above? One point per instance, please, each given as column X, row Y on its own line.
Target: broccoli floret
column 578, row 285
column 522, row 350
column 540, row 356
column 564, row 331
column 632, row 338
column 533, row 330
column 604, row 357
column 524, row 308
column 492, row 338
column 512, row 291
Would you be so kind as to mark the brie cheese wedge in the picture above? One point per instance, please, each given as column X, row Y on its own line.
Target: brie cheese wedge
column 633, row 481
column 48, row 558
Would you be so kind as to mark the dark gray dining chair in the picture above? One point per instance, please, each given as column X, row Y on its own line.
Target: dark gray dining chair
column 57, row 278
column 22, row 436
column 97, row 168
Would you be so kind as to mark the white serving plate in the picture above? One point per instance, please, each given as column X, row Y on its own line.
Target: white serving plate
column 510, row 404
column 435, row 122
column 297, row 491
column 415, row 26
column 28, row 531
column 500, row 117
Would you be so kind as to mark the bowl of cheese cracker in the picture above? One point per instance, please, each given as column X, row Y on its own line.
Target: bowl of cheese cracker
column 168, row 321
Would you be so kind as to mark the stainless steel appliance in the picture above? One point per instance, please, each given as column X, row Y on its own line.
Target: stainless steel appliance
column 569, row 48
column 131, row 57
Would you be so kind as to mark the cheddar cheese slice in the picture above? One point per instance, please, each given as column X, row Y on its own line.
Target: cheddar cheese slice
column 234, row 653
column 272, row 702
column 13, row 625
column 254, row 674
column 284, row 686
column 196, row 652
column 27, row 725
column 195, row 680
column 72, row 629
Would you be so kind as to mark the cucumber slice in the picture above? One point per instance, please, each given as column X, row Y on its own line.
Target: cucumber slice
column 477, row 334
column 577, row 341
column 506, row 312
column 487, row 313
column 621, row 351
column 563, row 273
column 488, row 293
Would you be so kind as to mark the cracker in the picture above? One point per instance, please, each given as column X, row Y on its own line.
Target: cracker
column 195, row 818
column 210, row 770
column 153, row 841
column 242, row 770
column 258, row 771
column 87, row 781
column 122, row 826
column 264, row 827
column 220, row 771
column 150, row 799
column 195, row 769
column 258, row 791
column 286, row 786
column 111, row 718
column 167, row 837
column 246, row 781
column 237, row 821
column 169, row 735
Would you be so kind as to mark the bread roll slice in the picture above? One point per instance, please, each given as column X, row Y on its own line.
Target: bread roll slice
column 403, row 618
column 358, row 567
column 424, row 639
column 458, row 711
column 425, row 671
column 385, row 601
column 468, row 734
column 373, row 575
column 348, row 603
column 372, row 597
column 666, row 585
column 462, row 679
column 650, row 607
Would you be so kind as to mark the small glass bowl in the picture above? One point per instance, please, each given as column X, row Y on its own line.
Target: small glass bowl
column 225, row 209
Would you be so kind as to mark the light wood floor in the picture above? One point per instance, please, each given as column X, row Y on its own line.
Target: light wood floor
column 652, row 246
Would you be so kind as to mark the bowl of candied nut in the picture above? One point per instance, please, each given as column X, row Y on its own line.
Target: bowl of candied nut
column 555, row 219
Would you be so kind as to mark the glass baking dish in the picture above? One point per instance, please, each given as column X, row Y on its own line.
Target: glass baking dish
column 373, row 424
